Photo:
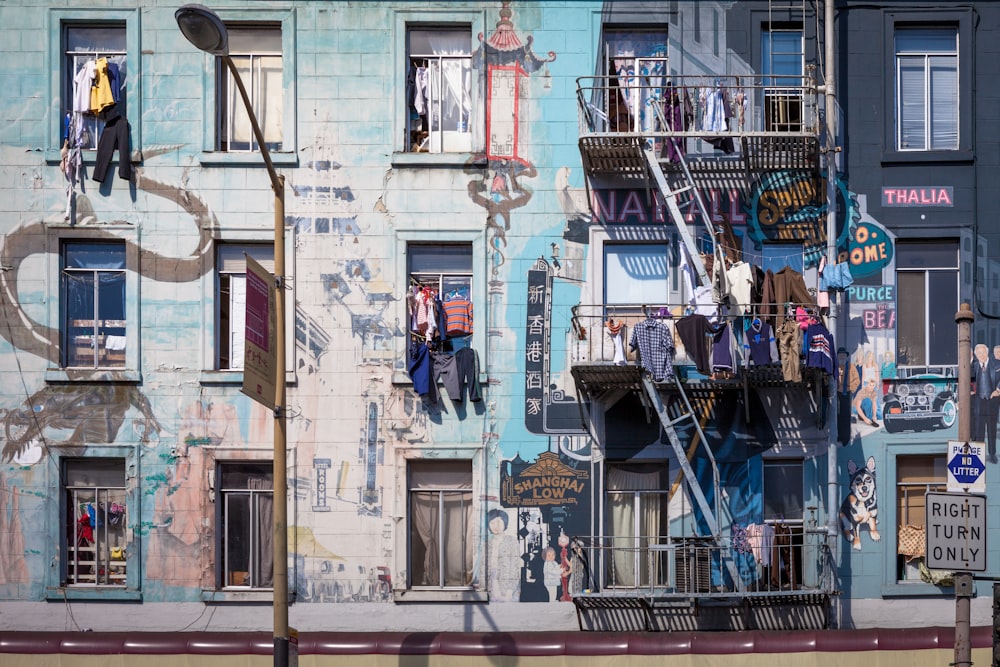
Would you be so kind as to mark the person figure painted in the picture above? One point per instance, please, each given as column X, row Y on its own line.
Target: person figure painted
column 985, row 404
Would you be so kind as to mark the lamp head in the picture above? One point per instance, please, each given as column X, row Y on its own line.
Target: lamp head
column 203, row 28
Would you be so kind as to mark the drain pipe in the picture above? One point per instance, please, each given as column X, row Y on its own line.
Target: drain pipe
column 830, row 159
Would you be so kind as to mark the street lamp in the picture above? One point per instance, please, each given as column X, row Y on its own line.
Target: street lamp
column 203, row 28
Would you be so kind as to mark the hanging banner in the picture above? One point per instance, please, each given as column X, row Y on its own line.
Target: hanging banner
column 259, row 354
column 536, row 345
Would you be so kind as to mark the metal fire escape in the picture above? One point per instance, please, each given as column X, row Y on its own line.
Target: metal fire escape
column 776, row 127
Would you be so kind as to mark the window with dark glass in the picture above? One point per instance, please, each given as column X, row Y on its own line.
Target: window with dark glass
column 95, row 333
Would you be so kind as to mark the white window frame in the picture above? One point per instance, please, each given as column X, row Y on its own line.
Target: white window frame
column 927, row 60
column 231, row 296
column 444, row 135
column 211, row 156
column 101, row 561
column 260, row 528
column 56, row 62
column 593, row 292
column 251, row 62
column 211, row 373
column 82, row 330
column 453, row 16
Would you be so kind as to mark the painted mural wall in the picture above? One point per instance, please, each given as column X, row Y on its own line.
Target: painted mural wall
column 353, row 200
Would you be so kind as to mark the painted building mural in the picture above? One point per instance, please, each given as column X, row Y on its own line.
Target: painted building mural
column 541, row 455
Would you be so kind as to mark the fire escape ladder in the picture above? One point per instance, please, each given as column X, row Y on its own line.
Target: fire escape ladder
column 685, row 413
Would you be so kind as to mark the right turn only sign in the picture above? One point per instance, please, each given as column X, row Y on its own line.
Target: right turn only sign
column 956, row 532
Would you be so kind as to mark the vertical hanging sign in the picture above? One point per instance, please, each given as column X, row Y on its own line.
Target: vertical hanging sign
column 536, row 345
column 259, row 354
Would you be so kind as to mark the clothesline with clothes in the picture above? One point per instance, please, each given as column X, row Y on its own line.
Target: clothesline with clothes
column 97, row 95
column 721, row 344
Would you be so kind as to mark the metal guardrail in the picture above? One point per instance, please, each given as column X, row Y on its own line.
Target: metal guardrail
column 786, row 560
column 698, row 106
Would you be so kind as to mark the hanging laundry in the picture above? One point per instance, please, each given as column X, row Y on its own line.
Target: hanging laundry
column 820, row 349
column 655, row 343
column 790, row 349
column 115, row 136
column 101, row 95
column 458, row 315
column 759, row 343
column 697, row 333
column 614, row 330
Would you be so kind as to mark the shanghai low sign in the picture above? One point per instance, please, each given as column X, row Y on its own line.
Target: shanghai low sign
column 956, row 532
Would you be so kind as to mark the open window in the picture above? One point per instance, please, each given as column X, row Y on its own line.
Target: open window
column 94, row 81
column 439, row 89
column 916, row 476
column 96, row 528
column 257, row 53
column 782, row 66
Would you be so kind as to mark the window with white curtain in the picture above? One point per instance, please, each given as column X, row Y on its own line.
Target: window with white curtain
column 245, row 495
column 927, row 95
column 439, row 90
column 636, row 516
column 256, row 52
column 440, row 523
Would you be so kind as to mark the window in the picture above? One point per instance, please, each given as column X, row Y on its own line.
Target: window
column 915, row 476
column 440, row 523
column 782, row 63
column 256, row 52
column 926, row 301
column 231, row 267
column 440, row 270
column 927, row 85
column 84, row 46
column 636, row 515
column 96, row 522
column 93, row 297
column 784, row 497
column 637, row 69
column 246, row 505
column 439, row 90
column 636, row 273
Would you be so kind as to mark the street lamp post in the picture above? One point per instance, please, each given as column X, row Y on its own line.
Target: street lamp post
column 205, row 30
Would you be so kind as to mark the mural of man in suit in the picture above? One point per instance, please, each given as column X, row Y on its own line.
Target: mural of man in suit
column 985, row 404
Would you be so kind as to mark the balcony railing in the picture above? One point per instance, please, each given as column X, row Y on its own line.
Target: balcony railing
column 698, row 107
column 770, row 559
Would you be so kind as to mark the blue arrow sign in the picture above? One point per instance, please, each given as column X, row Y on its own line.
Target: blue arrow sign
column 966, row 468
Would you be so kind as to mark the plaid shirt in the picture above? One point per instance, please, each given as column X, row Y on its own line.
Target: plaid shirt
column 656, row 348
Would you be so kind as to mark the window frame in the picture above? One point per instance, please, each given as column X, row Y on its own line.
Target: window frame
column 287, row 156
column 55, row 62
column 222, row 497
column 211, row 373
column 228, row 92
column 435, row 63
column 266, row 257
column 903, row 246
column 130, row 370
column 962, row 18
column 96, row 329
column 455, row 16
column 94, row 508
column 478, row 295
column 441, row 496
column 593, row 291
column 929, row 101
column 782, row 93
column 888, row 521
column 642, row 577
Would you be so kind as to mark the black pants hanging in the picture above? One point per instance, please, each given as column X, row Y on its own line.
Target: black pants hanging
column 115, row 136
